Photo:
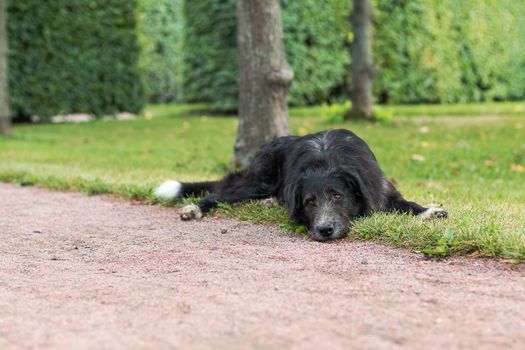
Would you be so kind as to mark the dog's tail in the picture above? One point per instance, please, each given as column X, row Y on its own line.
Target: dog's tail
column 171, row 189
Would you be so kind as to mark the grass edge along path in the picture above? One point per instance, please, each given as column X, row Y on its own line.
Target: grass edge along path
column 481, row 229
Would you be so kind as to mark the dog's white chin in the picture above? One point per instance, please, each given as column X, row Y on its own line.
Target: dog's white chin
column 168, row 190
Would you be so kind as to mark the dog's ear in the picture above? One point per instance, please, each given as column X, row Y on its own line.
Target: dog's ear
column 363, row 188
column 293, row 200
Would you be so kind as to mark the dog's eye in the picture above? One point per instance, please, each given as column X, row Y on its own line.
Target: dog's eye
column 310, row 202
column 337, row 196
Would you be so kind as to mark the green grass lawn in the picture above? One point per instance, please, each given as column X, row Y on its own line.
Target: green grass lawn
column 474, row 167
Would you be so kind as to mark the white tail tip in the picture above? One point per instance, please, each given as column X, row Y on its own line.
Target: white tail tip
column 168, row 190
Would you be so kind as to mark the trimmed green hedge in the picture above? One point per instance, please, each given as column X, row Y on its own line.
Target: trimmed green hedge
column 449, row 51
column 83, row 55
column 69, row 56
column 210, row 53
column 160, row 25
column 315, row 33
column 424, row 50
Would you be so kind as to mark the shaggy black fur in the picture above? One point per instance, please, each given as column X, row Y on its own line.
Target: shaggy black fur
column 324, row 180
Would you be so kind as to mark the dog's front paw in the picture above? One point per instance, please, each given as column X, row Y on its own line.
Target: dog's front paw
column 191, row 212
column 433, row 213
column 269, row 202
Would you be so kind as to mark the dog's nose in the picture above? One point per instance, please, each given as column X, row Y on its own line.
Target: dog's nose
column 325, row 231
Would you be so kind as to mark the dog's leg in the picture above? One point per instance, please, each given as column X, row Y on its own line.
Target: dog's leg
column 245, row 192
column 407, row 207
column 234, row 188
column 259, row 181
column 400, row 205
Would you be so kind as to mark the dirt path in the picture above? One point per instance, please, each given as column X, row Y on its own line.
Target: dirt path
column 97, row 272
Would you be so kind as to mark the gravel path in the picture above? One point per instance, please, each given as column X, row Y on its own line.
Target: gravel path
column 100, row 273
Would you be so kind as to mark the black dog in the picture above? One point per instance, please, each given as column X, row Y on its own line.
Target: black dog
column 325, row 180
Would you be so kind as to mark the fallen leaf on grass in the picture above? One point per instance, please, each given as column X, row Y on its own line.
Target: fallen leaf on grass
column 418, row 158
column 463, row 144
column 518, row 168
column 303, row 131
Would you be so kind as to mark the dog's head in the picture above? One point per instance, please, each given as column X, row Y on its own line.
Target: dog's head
column 326, row 202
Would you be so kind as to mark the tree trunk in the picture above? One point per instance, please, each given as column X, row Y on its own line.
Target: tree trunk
column 5, row 120
column 362, row 64
column 264, row 77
